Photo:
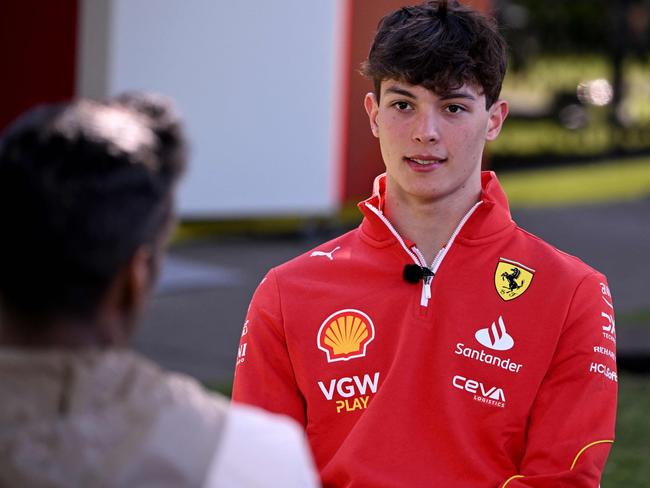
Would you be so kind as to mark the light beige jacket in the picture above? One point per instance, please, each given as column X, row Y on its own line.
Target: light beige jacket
column 103, row 419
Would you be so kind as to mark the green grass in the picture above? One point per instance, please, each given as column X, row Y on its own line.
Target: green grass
column 628, row 464
column 225, row 388
column 634, row 318
column 523, row 139
column 573, row 185
column 191, row 230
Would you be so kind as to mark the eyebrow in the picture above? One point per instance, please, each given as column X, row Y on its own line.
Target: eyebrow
column 465, row 95
column 447, row 96
column 400, row 91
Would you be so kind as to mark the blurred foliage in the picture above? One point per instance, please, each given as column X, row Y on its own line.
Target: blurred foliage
column 550, row 74
column 556, row 47
column 535, row 90
column 545, row 142
column 536, row 131
column 627, row 465
column 583, row 26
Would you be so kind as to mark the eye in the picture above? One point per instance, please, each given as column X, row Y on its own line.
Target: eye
column 402, row 106
column 454, row 109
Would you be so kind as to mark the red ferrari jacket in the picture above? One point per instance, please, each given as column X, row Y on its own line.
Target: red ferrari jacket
column 498, row 370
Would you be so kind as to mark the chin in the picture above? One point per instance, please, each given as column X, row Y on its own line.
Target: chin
column 427, row 194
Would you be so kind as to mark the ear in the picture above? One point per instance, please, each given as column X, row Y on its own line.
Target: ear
column 372, row 109
column 129, row 294
column 498, row 113
column 126, row 297
column 138, row 278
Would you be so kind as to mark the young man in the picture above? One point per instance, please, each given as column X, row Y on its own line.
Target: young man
column 438, row 344
column 86, row 205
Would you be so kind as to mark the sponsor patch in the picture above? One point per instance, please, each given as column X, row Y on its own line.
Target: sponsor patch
column 605, row 352
column 512, row 279
column 487, row 358
column 241, row 353
column 345, row 335
column 495, row 337
column 607, row 295
column 492, row 395
column 327, row 254
column 607, row 372
column 609, row 327
column 353, row 392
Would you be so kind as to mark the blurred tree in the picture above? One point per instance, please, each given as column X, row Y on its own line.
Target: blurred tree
column 583, row 26
column 617, row 31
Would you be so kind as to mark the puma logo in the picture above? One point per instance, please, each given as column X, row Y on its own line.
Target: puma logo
column 327, row 254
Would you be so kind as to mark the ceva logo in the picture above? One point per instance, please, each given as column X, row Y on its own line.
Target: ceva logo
column 491, row 396
column 495, row 337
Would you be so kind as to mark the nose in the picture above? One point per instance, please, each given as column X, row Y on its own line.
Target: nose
column 425, row 129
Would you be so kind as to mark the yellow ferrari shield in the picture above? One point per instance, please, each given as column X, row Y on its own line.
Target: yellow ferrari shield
column 512, row 279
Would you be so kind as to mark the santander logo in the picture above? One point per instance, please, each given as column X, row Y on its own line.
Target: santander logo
column 495, row 337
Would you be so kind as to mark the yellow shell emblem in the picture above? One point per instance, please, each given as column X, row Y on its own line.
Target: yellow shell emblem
column 512, row 279
column 345, row 335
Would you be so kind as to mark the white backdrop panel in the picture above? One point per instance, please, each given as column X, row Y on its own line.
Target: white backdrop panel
column 255, row 81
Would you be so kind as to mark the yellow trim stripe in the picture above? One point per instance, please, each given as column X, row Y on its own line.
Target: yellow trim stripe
column 587, row 447
column 572, row 465
column 512, row 478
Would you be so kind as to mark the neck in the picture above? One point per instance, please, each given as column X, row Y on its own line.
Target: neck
column 428, row 223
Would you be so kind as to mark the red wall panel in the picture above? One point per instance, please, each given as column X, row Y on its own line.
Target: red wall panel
column 38, row 42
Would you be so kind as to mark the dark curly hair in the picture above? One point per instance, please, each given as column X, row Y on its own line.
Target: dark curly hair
column 440, row 45
column 82, row 186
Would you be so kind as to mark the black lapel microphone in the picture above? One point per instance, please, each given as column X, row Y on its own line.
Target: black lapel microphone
column 414, row 273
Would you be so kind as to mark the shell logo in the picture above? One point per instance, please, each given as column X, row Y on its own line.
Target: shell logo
column 345, row 335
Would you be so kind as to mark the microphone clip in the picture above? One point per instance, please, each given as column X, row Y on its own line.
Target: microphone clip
column 414, row 273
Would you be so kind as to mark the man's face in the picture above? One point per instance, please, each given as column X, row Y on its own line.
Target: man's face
column 432, row 144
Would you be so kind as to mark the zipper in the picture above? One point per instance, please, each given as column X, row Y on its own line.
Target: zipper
column 426, row 282
column 413, row 256
column 417, row 256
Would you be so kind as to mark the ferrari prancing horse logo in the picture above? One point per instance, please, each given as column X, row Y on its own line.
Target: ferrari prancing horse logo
column 512, row 279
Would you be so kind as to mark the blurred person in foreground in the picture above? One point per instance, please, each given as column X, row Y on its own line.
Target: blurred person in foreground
column 86, row 207
column 438, row 344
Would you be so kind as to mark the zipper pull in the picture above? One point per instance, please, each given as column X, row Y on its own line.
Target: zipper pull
column 426, row 291
column 427, row 286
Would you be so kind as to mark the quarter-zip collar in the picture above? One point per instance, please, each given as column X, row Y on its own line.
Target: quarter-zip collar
column 489, row 220
column 492, row 206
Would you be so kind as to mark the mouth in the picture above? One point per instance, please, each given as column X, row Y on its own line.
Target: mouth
column 424, row 161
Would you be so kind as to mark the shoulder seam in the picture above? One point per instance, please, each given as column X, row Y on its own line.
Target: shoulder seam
column 555, row 249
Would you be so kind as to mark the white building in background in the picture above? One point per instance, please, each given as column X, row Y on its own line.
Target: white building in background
column 257, row 83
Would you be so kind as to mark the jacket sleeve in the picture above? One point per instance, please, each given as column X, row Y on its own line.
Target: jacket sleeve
column 571, row 424
column 257, row 449
column 264, row 375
